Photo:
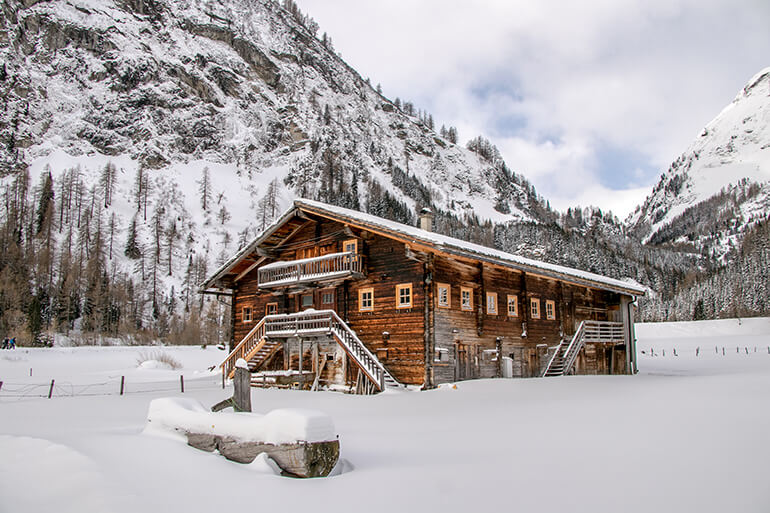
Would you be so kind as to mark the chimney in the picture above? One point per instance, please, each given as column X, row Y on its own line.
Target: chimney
column 426, row 219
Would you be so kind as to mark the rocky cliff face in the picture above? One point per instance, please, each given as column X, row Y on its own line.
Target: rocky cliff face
column 157, row 84
column 720, row 185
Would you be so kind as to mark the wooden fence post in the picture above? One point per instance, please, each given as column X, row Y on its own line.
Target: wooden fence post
column 122, row 384
column 181, row 382
column 242, row 392
column 50, row 390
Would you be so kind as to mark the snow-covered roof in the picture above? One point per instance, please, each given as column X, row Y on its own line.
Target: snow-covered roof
column 438, row 242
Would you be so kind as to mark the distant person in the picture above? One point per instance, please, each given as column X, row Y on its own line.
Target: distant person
column 12, row 343
column 6, row 343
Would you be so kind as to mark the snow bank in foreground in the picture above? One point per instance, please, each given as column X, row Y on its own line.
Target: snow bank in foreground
column 40, row 475
column 276, row 427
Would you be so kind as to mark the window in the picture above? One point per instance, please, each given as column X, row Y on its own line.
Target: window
column 404, row 295
column 271, row 309
column 246, row 314
column 327, row 297
column 307, row 301
column 489, row 355
column 350, row 246
column 535, row 308
column 550, row 310
column 491, row 303
column 443, row 293
column 466, row 298
column 366, row 300
column 513, row 306
column 441, row 355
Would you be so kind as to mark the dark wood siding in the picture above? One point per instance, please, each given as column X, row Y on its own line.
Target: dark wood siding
column 468, row 344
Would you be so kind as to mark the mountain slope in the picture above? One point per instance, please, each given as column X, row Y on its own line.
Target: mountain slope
column 721, row 183
column 143, row 141
column 166, row 83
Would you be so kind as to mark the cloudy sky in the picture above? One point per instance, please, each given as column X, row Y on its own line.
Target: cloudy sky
column 589, row 100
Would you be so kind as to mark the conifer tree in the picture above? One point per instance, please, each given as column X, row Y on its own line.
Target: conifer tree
column 132, row 250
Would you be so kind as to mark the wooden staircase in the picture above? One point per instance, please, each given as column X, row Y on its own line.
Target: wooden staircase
column 267, row 336
column 566, row 353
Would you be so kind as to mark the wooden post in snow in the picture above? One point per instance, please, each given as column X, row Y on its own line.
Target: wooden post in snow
column 242, row 386
column 241, row 399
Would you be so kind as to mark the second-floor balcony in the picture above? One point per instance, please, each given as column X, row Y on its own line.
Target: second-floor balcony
column 334, row 266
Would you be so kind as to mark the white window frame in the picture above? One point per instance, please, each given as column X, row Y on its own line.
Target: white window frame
column 361, row 292
column 400, row 287
column 550, row 309
column 491, row 303
column 513, row 300
column 448, row 289
column 468, row 307
column 347, row 242
column 534, row 307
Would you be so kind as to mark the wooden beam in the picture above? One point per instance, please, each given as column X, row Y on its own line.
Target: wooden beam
column 294, row 231
column 249, row 269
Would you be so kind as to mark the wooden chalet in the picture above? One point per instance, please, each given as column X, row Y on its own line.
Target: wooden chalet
column 334, row 298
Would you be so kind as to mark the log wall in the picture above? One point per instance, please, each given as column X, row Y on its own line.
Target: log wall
column 459, row 344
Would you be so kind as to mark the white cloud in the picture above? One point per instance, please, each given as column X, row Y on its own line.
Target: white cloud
column 551, row 83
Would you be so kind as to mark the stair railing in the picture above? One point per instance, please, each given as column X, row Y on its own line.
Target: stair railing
column 574, row 347
column 307, row 323
column 588, row 331
column 244, row 347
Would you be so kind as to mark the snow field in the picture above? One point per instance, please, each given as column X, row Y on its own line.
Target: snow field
column 686, row 434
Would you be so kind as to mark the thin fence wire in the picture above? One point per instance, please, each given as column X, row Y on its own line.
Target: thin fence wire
column 104, row 388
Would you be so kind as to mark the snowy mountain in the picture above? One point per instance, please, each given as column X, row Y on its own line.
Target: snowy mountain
column 241, row 87
column 720, row 185
column 144, row 141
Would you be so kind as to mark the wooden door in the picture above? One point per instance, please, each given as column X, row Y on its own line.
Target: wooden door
column 467, row 366
column 327, row 299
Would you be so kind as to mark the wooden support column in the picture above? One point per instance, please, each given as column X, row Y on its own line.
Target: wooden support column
column 481, row 301
column 499, row 347
column 429, row 320
column 301, row 353
column 232, row 324
column 560, row 308
column 525, row 307
column 629, row 334
column 346, row 300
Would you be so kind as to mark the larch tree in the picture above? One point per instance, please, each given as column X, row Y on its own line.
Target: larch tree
column 204, row 189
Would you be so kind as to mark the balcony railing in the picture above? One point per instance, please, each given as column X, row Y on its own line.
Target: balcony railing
column 323, row 268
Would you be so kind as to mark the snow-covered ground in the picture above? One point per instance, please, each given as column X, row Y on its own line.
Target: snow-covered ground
column 688, row 433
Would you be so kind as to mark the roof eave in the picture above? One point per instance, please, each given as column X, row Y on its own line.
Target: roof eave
column 634, row 292
column 248, row 248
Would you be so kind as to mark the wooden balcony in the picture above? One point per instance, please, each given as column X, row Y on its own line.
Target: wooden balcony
column 331, row 267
